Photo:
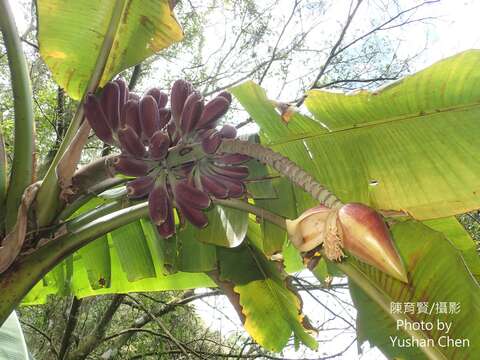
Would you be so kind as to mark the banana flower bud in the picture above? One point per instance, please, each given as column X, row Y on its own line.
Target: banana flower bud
column 355, row 228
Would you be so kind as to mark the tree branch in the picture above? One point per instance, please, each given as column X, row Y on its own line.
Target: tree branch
column 43, row 334
column 70, row 327
column 274, row 52
column 90, row 342
column 333, row 51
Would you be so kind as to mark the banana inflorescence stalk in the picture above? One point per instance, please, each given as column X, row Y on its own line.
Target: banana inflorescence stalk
column 180, row 160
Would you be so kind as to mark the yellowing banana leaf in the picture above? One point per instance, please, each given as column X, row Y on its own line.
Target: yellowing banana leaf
column 441, row 290
column 410, row 146
column 71, row 34
column 270, row 309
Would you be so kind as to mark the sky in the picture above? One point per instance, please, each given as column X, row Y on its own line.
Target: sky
column 454, row 30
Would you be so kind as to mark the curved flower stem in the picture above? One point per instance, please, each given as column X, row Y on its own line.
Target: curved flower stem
column 283, row 165
column 22, row 167
column 48, row 195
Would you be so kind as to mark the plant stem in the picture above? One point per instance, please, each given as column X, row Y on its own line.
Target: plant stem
column 27, row 271
column 283, row 165
column 3, row 182
column 22, row 167
column 48, row 195
column 259, row 212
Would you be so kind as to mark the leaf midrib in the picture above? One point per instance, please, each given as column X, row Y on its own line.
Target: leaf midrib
column 353, row 127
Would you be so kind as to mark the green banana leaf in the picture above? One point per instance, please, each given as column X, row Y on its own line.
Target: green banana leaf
column 132, row 258
column 71, row 34
column 12, row 341
column 439, row 278
column 411, row 146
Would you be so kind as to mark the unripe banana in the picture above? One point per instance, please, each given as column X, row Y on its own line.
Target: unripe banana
column 213, row 111
column 234, row 172
column 110, row 101
column 226, row 95
column 97, row 119
column 211, row 140
column 130, row 167
column 181, row 89
column 140, row 187
column 193, row 215
column 211, row 185
column 130, row 142
column 130, row 116
column 164, row 116
column 159, row 144
column 191, row 112
column 123, row 87
column 158, row 205
column 160, row 97
column 190, row 196
column 148, row 117
column 228, row 132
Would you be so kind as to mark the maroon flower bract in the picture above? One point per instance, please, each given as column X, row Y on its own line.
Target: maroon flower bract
column 146, row 131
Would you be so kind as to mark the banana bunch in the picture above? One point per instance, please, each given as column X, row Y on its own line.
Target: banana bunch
column 149, row 134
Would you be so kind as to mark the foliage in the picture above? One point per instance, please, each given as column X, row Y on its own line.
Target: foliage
column 407, row 150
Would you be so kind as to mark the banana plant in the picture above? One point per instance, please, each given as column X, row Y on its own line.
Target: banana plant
column 370, row 187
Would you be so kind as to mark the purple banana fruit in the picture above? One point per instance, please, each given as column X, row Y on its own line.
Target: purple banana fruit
column 140, row 187
column 122, row 85
column 164, row 116
column 192, row 110
column 160, row 97
column 158, row 205
column 159, row 144
column 213, row 111
column 235, row 187
column 97, row 119
column 228, row 132
column 226, row 95
column 133, row 96
column 214, row 187
column 130, row 142
column 234, row 172
column 167, row 229
column 110, row 101
column 131, row 116
column 189, row 195
column 130, row 167
column 173, row 133
column 211, row 140
column 148, row 116
column 180, row 91
column 194, row 216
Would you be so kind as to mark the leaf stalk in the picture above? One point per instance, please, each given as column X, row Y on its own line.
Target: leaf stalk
column 24, row 141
